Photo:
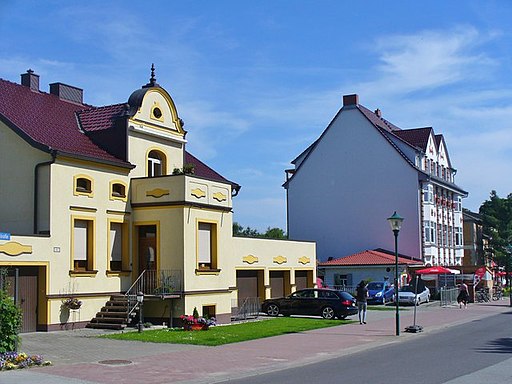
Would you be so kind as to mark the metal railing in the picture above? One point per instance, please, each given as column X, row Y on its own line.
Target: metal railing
column 448, row 296
column 242, row 309
column 345, row 288
column 154, row 283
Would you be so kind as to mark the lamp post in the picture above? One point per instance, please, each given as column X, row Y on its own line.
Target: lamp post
column 140, row 300
column 395, row 221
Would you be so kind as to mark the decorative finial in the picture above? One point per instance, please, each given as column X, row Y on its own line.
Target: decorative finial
column 152, row 80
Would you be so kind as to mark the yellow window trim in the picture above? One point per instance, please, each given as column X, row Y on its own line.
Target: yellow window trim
column 164, row 159
column 214, row 247
column 125, row 254
column 213, row 272
column 111, row 189
column 91, row 245
column 76, row 192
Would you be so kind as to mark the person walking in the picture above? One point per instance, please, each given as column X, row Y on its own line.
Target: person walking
column 361, row 297
column 463, row 296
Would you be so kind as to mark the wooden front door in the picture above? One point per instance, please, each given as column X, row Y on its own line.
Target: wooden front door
column 26, row 287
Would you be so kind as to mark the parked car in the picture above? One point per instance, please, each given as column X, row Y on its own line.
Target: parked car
column 406, row 295
column 380, row 292
column 327, row 303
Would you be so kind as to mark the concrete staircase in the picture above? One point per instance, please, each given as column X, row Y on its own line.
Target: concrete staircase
column 114, row 315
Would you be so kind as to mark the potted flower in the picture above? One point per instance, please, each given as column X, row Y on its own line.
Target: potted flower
column 72, row 303
column 195, row 322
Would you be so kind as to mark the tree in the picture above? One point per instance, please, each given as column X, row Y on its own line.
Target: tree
column 275, row 233
column 271, row 233
column 10, row 318
column 497, row 224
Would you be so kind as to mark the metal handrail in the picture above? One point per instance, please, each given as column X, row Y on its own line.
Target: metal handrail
column 131, row 298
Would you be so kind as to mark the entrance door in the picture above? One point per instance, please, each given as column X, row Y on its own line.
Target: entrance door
column 147, row 248
column 147, row 256
column 26, row 286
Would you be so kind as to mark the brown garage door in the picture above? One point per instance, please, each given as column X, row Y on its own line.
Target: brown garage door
column 276, row 284
column 301, row 279
column 247, row 284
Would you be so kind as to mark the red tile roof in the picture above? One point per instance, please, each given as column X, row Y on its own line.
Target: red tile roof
column 202, row 170
column 369, row 257
column 47, row 122
column 50, row 123
column 417, row 137
column 100, row 118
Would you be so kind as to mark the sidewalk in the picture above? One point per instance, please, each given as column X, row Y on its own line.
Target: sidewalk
column 81, row 359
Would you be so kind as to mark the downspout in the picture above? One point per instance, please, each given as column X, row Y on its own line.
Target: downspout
column 36, row 183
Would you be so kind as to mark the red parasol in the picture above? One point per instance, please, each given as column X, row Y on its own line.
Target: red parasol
column 437, row 270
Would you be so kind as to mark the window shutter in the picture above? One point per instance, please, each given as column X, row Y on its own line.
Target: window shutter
column 116, row 241
column 204, row 243
column 80, row 240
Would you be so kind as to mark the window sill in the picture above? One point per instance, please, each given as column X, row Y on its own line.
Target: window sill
column 207, row 271
column 118, row 273
column 83, row 273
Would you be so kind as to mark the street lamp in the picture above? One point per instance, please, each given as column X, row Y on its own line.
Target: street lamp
column 140, row 301
column 395, row 221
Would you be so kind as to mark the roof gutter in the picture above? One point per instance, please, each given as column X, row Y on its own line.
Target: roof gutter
column 36, row 187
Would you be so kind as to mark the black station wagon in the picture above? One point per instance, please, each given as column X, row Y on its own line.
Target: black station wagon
column 327, row 303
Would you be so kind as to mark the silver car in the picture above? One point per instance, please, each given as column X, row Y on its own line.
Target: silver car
column 406, row 295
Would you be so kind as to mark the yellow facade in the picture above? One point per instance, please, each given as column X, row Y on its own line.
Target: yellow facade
column 89, row 229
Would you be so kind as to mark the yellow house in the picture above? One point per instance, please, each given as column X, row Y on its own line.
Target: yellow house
column 98, row 204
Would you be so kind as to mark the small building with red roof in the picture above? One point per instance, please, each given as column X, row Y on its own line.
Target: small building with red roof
column 369, row 265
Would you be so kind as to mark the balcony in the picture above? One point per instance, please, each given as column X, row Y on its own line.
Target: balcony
column 180, row 189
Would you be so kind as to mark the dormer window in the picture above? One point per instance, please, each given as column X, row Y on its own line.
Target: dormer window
column 83, row 185
column 117, row 191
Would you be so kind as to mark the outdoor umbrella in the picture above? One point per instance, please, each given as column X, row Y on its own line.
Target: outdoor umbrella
column 437, row 270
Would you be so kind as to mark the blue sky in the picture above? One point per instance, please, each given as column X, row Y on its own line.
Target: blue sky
column 256, row 82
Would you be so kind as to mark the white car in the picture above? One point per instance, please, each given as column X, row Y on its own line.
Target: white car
column 406, row 295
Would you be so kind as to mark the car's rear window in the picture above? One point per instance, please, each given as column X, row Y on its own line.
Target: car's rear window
column 345, row 295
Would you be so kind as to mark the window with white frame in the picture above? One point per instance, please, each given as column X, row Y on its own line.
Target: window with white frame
column 430, row 232
column 458, row 236
column 458, row 204
column 156, row 163
column 428, row 193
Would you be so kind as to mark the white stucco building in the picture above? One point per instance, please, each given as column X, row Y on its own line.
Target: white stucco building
column 359, row 171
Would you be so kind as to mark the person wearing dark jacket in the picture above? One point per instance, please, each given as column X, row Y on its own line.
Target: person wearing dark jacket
column 361, row 297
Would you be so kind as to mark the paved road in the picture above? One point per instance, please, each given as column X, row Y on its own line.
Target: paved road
column 465, row 354
column 80, row 359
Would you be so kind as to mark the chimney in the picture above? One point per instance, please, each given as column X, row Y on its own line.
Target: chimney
column 378, row 112
column 31, row 80
column 67, row 92
column 350, row 100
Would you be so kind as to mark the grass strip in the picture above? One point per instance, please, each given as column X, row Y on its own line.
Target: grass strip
column 233, row 333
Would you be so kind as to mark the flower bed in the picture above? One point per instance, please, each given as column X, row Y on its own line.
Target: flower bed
column 14, row 360
column 195, row 322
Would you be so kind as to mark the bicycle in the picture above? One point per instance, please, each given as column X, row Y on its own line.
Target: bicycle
column 497, row 293
column 482, row 295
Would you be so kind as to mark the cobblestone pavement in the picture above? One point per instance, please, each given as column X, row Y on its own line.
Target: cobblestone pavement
column 81, row 358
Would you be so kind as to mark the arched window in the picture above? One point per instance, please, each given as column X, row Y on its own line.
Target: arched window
column 156, row 163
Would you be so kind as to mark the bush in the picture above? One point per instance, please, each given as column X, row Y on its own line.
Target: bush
column 10, row 323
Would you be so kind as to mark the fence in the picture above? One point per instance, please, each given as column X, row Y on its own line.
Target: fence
column 448, row 296
column 345, row 288
column 242, row 309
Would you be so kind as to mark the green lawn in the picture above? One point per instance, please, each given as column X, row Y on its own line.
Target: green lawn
column 233, row 333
